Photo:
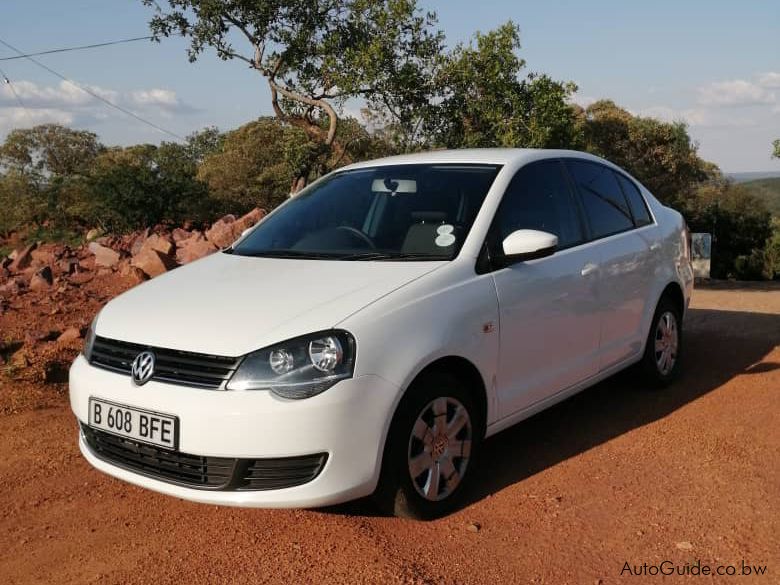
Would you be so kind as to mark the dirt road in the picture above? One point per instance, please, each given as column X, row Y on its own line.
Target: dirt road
column 615, row 475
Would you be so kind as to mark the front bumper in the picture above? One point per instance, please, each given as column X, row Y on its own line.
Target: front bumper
column 349, row 422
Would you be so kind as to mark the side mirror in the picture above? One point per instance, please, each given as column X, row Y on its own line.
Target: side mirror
column 523, row 245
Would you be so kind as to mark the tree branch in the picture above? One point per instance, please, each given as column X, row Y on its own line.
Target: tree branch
column 318, row 103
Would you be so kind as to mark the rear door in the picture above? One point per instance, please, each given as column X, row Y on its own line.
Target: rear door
column 627, row 256
column 549, row 317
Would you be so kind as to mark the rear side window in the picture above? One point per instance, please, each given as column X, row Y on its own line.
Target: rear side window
column 605, row 206
column 635, row 201
column 539, row 198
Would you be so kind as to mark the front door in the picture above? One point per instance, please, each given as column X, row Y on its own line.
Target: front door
column 549, row 316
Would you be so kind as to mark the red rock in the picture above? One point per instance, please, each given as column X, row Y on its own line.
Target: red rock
column 92, row 234
column 80, row 278
column 12, row 288
column 250, row 219
column 104, row 256
column 126, row 269
column 68, row 265
column 22, row 258
column 223, row 233
column 153, row 263
column 193, row 249
column 87, row 264
column 70, row 334
column 138, row 242
column 42, row 279
column 180, row 234
column 42, row 257
column 162, row 244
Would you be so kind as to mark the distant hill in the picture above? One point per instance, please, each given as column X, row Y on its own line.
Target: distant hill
column 768, row 190
column 752, row 176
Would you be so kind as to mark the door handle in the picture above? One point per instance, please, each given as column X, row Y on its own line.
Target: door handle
column 589, row 269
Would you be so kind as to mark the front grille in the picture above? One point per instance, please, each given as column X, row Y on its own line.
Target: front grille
column 191, row 470
column 196, row 471
column 171, row 365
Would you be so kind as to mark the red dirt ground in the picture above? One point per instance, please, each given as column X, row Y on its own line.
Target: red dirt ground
column 616, row 474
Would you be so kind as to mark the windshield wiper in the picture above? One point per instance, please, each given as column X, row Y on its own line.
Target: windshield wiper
column 394, row 256
column 300, row 254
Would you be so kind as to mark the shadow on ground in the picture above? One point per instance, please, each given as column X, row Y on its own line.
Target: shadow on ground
column 718, row 346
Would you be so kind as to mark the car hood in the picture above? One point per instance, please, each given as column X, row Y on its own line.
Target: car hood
column 230, row 305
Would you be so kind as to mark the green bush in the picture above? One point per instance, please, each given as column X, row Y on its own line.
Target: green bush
column 740, row 225
column 139, row 186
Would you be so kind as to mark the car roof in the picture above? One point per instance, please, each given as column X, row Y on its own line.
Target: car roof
column 501, row 156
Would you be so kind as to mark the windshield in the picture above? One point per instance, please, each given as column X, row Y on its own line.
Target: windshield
column 398, row 212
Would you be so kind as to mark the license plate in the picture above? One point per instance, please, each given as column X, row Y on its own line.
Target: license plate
column 141, row 425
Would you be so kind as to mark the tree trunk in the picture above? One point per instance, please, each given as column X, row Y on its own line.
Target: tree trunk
column 298, row 183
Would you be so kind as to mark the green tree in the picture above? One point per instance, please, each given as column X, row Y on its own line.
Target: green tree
column 47, row 164
column 315, row 55
column 741, row 227
column 19, row 201
column 776, row 144
column 204, row 142
column 50, row 149
column 143, row 185
column 660, row 154
column 254, row 166
column 486, row 101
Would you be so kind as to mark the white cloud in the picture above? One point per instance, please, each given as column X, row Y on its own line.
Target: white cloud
column 734, row 93
column 65, row 103
column 703, row 117
column 769, row 80
column 11, row 118
column 62, row 95
column 163, row 98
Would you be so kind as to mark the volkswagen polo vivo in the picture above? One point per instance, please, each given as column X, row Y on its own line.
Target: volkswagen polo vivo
column 368, row 334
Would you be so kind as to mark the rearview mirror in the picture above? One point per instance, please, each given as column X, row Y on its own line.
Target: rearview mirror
column 394, row 186
column 523, row 245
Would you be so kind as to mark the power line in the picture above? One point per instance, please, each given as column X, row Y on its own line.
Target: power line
column 7, row 81
column 92, row 93
column 79, row 48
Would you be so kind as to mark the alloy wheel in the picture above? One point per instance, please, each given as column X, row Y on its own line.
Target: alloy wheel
column 667, row 341
column 440, row 448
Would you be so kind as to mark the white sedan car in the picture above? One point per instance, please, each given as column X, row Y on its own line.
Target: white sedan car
column 368, row 334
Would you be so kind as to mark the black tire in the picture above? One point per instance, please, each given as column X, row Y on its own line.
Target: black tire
column 651, row 366
column 400, row 494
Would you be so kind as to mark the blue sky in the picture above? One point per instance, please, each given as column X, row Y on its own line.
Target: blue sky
column 714, row 64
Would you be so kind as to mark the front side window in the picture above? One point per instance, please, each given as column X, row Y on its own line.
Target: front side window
column 602, row 199
column 538, row 198
column 403, row 212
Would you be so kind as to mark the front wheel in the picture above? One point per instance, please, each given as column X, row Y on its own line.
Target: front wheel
column 661, row 361
column 431, row 449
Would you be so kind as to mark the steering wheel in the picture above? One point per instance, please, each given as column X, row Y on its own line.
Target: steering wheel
column 358, row 234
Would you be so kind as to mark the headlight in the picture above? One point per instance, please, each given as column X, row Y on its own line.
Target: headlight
column 89, row 339
column 298, row 368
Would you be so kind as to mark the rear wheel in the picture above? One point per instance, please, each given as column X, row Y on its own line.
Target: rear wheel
column 431, row 448
column 661, row 361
